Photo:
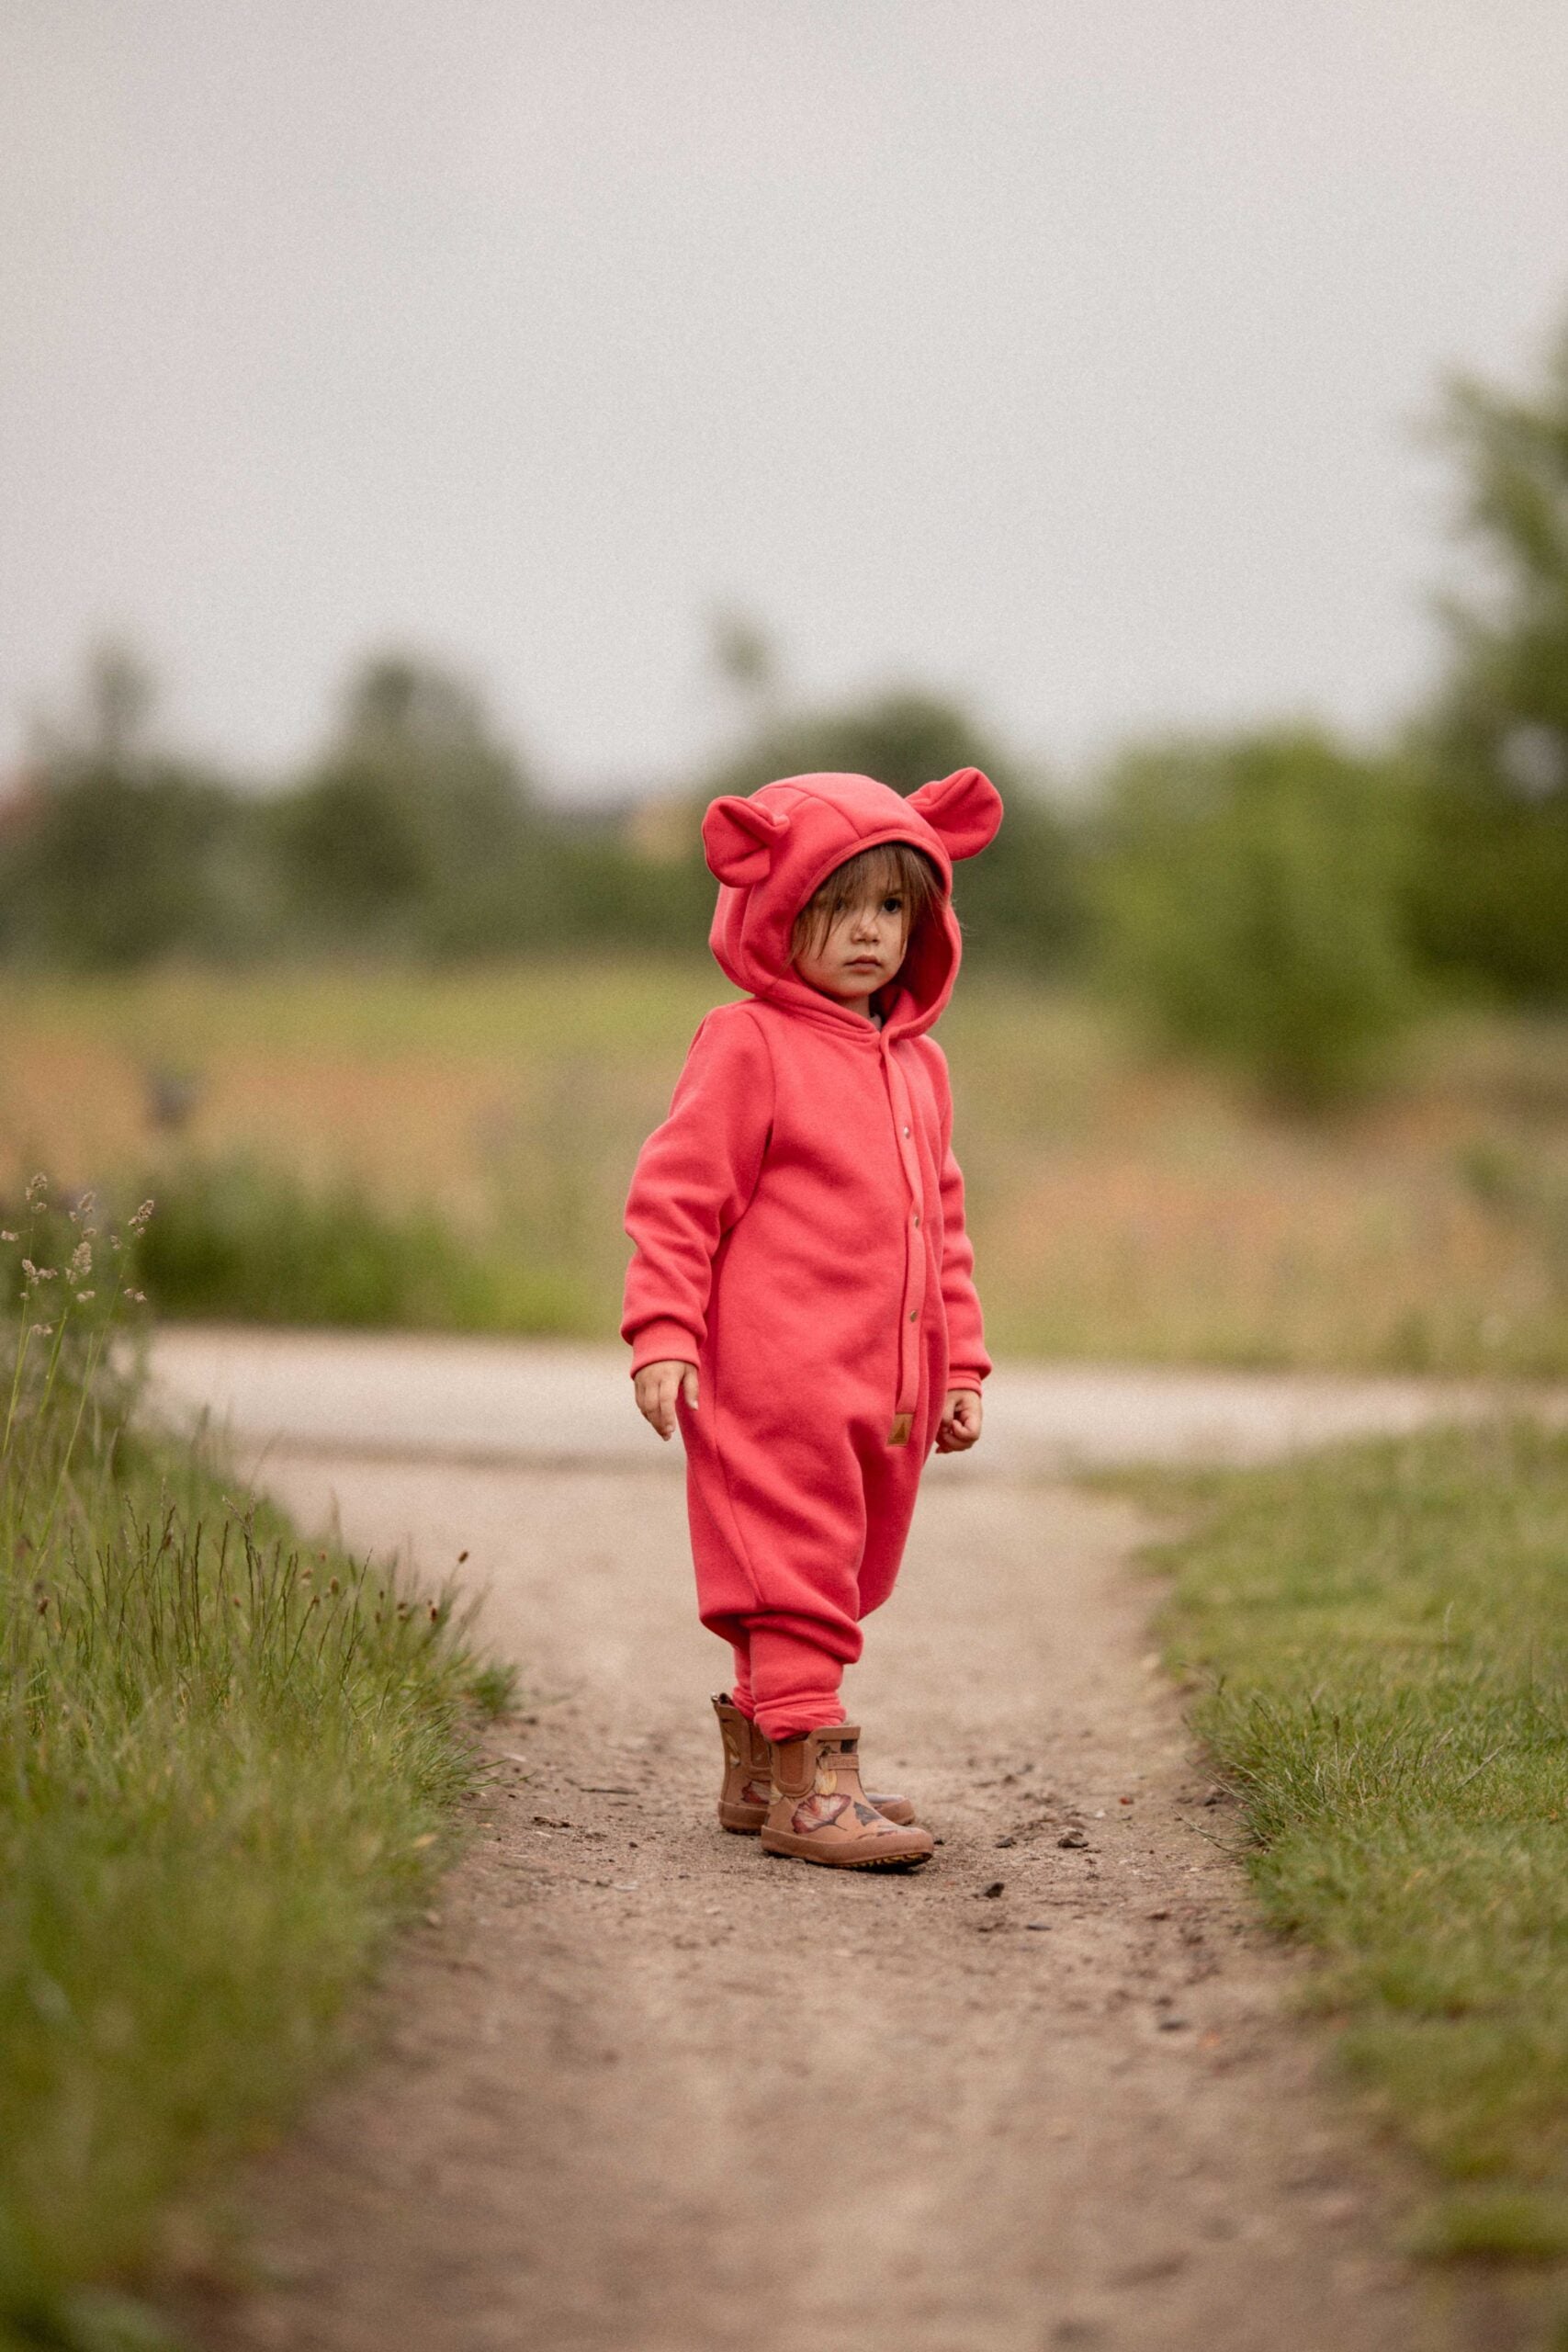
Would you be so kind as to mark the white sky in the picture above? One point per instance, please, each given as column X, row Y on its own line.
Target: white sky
column 1065, row 355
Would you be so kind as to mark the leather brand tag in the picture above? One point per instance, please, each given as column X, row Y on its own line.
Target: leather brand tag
column 903, row 1429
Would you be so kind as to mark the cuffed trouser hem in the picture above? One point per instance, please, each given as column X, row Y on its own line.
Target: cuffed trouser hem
column 786, row 1683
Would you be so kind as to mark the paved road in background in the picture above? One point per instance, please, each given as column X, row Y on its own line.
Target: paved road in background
column 551, row 1402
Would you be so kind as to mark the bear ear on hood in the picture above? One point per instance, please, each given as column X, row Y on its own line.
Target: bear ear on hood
column 965, row 808
column 740, row 838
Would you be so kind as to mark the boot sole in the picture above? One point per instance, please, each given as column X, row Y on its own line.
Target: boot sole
column 746, row 1821
column 802, row 1852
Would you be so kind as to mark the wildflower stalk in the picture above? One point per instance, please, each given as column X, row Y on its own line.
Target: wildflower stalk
column 12, row 1401
column 84, row 1389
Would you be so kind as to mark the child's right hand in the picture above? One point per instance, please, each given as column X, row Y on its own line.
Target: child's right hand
column 658, row 1385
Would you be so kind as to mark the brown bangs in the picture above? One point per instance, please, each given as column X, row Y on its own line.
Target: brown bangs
column 887, row 870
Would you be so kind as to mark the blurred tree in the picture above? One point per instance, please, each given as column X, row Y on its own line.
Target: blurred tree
column 414, row 827
column 119, row 695
column 744, row 655
column 115, row 852
column 416, row 831
column 1489, row 891
column 352, row 849
column 903, row 737
column 1018, row 903
column 1248, row 899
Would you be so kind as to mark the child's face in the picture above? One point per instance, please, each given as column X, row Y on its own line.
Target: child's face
column 863, row 950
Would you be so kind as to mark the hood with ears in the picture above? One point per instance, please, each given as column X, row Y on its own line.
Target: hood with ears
column 772, row 851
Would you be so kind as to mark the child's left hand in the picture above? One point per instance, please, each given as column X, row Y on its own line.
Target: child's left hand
column 960, row 1425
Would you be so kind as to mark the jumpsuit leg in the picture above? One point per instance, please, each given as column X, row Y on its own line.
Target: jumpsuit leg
column 795, row 1683
column 784, row 1681
column 793, row 1542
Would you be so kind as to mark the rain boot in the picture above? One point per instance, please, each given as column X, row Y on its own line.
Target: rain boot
column 820, row 1813
column 744, row 1798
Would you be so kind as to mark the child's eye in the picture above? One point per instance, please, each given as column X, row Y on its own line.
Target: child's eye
column 892, row 905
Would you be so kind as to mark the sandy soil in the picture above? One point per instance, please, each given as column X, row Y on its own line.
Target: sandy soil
column 638, row 2088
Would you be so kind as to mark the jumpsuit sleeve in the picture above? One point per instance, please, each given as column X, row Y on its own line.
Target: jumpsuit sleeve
column 967, row 1362
column 693, row 1177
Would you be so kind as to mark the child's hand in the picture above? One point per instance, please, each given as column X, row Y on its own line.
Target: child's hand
column 658, row 1384
column 960, row 1424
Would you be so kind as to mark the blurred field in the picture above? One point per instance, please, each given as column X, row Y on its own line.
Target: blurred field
column 1123, row 1207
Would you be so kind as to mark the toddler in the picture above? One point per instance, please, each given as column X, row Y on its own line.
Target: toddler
column 800, row 1299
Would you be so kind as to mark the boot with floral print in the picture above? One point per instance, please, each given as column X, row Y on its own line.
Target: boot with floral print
column 820, row 1813
column 744, row 1798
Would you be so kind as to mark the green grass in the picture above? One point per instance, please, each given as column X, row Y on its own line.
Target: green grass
column 1381, row 1637
column 227, row 1768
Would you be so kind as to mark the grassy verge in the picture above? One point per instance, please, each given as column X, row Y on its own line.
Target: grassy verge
column 226, row 1769
column 1381, row 1634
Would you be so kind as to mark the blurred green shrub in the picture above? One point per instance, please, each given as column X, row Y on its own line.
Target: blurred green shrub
column 234, row 1237
column 1247, row 895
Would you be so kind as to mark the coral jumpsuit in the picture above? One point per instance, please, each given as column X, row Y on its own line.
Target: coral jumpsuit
column 798, row 1231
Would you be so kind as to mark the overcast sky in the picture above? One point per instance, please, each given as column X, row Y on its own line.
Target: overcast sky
column 1068, row 356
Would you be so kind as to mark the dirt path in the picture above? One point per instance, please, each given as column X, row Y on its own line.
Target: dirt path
column 642, row 2090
